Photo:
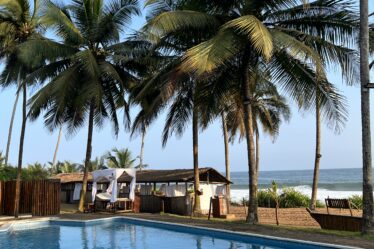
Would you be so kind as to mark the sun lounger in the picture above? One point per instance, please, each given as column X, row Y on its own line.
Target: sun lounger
column 338, row 203
column 121, row 203
column 337, row 221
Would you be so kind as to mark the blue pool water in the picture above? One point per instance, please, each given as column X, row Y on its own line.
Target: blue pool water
column 123, row 233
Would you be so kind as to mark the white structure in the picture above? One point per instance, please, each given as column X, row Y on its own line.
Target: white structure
column 210, row 191
column 112, row 176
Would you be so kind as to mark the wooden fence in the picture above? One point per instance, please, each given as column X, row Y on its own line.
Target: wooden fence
column 150, row 204
column 40, row 198
column 181, row 205
column 174, row 205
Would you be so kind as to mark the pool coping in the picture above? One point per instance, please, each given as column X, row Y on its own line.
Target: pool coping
column 11, row 225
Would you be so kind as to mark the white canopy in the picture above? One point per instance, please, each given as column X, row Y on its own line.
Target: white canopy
column 112, row 176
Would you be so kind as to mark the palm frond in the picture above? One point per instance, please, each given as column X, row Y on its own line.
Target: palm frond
column 258, row 34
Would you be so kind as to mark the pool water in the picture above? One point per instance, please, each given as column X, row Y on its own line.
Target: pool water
column 122, row 233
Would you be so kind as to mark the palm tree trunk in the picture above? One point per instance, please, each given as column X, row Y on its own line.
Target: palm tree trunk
column 12, row 119
column 20, row 153
column 252, row 217
column 56, row 149
column 195, row 141
column 257, row 151
column 227, row 155
column 142, row 149
column 318, row 155
column 367, row 190
column 88, row 156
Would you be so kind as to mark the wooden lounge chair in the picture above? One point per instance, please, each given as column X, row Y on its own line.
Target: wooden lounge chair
column 337, row 221
column 338, row 203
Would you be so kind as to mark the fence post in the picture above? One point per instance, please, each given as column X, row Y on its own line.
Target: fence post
column 210, row 207
column 1, row 197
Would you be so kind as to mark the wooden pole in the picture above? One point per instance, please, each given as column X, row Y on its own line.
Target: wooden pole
column 210, row 207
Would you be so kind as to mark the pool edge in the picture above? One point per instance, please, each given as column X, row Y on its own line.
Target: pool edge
column 11, row 225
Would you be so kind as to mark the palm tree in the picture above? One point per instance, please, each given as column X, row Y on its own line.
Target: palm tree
column 57, row 145
column 335, row 124
column 141, row 155
column 2, row 159
column 89, row 72
column 171, row 88
column 36, row 171
column 227, row 153
column 97, row 164
column 69, row 167
column 371, row 40
column 121, row 158
column 10, row 130
column 252, row 32
column 224, row 101
column 140, row 125
column 180, row 95
column 368, row 202
column 19, row 22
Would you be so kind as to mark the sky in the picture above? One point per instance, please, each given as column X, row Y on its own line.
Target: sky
column 292, row 150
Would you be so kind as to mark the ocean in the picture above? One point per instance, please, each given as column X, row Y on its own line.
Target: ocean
column 333, row 183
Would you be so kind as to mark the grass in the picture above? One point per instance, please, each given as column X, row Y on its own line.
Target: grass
column 71, row 208
column 327, row 232
column 342, row 234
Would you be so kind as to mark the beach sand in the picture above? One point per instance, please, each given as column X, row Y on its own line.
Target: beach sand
column 295, row 217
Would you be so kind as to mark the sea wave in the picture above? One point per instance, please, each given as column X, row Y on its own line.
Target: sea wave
column 337, row 186
column 238, row 194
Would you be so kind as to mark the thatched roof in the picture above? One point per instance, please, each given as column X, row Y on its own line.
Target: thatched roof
column 176, row 175
column 71, row 177
column 155, row 176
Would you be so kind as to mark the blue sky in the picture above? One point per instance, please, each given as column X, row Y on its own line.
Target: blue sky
column 294, row 148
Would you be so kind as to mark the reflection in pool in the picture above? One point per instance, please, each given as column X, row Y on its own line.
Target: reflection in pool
column 123, row 233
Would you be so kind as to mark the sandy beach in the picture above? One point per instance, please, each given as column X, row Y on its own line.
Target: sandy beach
column 295, row 217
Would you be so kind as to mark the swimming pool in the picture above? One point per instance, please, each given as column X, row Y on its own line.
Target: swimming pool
column 129, row 233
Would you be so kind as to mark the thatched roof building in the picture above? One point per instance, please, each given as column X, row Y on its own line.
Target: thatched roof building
column 155, row 176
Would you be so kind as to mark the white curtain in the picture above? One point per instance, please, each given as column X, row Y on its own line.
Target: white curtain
column 175, row 190
column 77, row 191
column 221, row 190
column 132, row 173
column 112, row 175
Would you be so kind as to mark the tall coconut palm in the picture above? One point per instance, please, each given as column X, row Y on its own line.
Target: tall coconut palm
column 54, row 161
column 177, row 95
column 89, row 71
column 120, row 158
column 268, row 32
column 2, row 159
column 269, row 107
column 227, row 153
column 141, row 155
column 19, row 22
column 11, row 123
column 172, row 89
column 183, row 109
column 368, row 202
column 371, row 40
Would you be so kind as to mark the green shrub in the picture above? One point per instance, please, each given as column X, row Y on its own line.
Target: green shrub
column 356, row 201
column 7, row 173
column 290, row 198
column 265, row 199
